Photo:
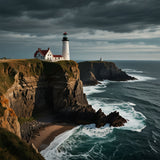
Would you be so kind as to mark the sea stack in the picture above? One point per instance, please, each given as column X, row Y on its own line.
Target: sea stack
column 65, row 46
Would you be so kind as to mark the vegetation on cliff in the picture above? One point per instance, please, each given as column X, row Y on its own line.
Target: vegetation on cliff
column 12, row 148
column 31, row 67
column 59, row 68
column 9, row 68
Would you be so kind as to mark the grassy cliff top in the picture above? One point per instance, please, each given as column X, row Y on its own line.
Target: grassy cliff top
column 91, row 64
column 31, row 67
column 12, row 148
column 96, row 62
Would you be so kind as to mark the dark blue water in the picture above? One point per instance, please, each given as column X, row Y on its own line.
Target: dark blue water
column 137, row 101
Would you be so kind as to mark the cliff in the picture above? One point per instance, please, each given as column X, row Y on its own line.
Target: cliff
column 34, row 86
column 29, row 87
column 92, row 71
column 8, row 118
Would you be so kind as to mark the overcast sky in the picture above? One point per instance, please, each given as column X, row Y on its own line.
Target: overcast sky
column 112, row 29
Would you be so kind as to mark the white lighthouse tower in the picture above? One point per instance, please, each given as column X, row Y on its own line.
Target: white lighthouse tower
column 65, row 47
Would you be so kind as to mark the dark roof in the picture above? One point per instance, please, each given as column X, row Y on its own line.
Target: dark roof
column 42, row 52
column 65, row 33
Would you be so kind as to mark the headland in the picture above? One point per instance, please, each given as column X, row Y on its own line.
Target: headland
column 32, row 87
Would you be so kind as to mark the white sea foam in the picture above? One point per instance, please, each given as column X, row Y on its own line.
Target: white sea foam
column 137, row 74
column 141, row 78
column 52, row 152
column 131, row 70
column 62, row 146
column 93, row 132
column 88, row 90
column 136, row 120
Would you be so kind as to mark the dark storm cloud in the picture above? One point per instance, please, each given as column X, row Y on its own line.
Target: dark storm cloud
column 44, row 17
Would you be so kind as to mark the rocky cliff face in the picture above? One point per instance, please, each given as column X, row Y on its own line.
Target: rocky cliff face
column 98, row 70
column 57, row 86
column 8, row 118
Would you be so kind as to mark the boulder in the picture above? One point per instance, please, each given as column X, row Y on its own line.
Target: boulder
column 115, row 120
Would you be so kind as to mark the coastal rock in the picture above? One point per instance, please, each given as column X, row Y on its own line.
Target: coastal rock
column 30, row 128
column 101, row 70
column 101, row 119
column 8, row 118
column 87, row 115
column 115, row 120
column 88, row 78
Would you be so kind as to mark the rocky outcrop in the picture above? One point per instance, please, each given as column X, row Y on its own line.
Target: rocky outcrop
column 115, row 120
column 31, row 128
column 101, row 71
column 87, row 115
column 8, row 118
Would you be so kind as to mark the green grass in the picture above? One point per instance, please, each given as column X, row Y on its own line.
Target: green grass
column 6, row 76
column 10, row 68
column 58, row 68
column 66, row 66
column 102, row 62
column 23, row 119
column 12, row 148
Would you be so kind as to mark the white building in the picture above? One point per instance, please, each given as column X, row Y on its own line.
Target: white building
column 48, row 56
column 65, row 47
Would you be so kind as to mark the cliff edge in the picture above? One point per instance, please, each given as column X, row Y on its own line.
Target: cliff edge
column 93, row 71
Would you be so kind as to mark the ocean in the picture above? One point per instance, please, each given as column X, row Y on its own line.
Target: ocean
column 138, row 101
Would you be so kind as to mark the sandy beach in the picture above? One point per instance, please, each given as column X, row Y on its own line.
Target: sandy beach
column 47, row 134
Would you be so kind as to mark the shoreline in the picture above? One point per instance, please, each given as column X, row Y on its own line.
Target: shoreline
column 47, row 134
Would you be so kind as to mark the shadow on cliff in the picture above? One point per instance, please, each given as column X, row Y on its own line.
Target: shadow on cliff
column 46, row 93
column 58, row 87
column 59, row 97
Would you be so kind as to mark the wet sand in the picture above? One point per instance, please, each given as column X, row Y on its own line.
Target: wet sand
column 47, row 134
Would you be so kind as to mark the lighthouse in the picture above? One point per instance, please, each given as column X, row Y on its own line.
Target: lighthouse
column 65, row 47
